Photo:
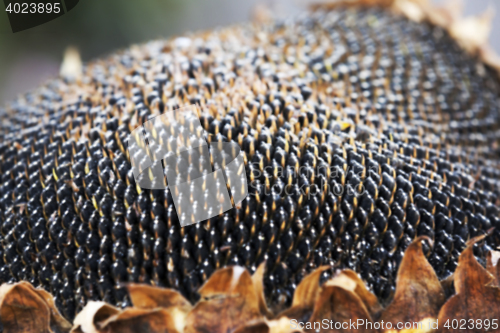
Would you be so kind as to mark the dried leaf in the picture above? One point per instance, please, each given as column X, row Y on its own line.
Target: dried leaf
column 473, row 32
column 349, row 280
column 26, row 309
column 492, row 266
column 339, row 307
column 71, row 67
column 305, row 296
column 57, row 322
column 300, row 313
column 93, row 313
column 282, row 325
column 99, row 317
column 475, row 298
column 419, row 294
column 228, row 301
column 490, row 58
column 133, row 320
column 308, row 289
column 262, row 14
column 22, row 310
column 444, row 15
column 448, row 287
column 412, row 9
column 148, row 297
column 259, row 326
column 453, row 8
column 470, row 276
column 258, row 284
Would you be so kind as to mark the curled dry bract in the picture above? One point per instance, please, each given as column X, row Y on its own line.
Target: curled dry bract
column 228, row 300
column 477, row 298
column 419, row 294
column 26, row 309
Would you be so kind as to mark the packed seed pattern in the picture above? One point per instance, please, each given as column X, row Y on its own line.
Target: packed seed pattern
column 324, row 106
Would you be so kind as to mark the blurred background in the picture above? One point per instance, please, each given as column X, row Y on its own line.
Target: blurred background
column 98, row 27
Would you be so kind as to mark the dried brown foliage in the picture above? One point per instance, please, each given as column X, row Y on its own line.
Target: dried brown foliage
column 349, row 280
column 233, row 301
column 229, row 297
column 338, row 304
column 305, row 296
column 477, row 297
column 493, row 267
column 26, row 309
column 419, row 294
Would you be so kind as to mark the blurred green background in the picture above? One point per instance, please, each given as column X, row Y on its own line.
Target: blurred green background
column 98, row 27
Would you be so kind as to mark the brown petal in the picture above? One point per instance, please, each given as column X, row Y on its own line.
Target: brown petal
column 448, row 287
column 338, row 305
column 21, row 305
column 300, row 313
column 308, row 289
column 282, row 325
column 258, row 284
column 262, row 14
column 493, row 267
column 22, row 310
column 470, row 276
column 475, row 298
column 419, row 294
column 132, row 320
column 259, row 326
column 472, row 32
column 490, row 57
column 305, row 296
column 148, row 297
column 450, row 11
column 57, row 322
column 228, row 301
column 349, row 280
column 411, row 9
column 87, row 321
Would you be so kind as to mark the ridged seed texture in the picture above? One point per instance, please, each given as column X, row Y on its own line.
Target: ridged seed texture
column 361, row 130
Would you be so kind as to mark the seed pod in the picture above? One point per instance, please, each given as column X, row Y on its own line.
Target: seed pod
column 357, row 138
